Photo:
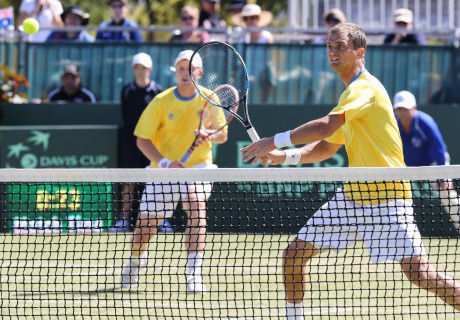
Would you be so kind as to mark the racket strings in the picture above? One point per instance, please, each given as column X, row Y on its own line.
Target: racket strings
column 222, row 65
column 228, row 96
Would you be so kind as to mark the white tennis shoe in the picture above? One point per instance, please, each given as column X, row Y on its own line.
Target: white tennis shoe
column 195, row 284
column 132, row 270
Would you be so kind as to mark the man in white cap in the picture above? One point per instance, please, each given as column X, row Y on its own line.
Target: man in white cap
column 403, row 22
column 164, row 132
column 423, row 145
column 135, row 96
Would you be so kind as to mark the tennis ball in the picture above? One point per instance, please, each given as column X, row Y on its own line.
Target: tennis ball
column 30, row 25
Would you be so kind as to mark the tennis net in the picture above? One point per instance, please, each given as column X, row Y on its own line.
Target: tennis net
column 58, row 259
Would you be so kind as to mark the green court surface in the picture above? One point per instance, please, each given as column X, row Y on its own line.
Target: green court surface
column 70, row 276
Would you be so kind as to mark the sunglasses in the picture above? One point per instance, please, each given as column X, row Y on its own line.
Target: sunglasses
column 117, row 6
column 401, row 24
column 185, row 18
column 250, row 18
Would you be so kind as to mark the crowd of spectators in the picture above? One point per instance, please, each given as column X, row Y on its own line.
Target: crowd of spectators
column 208, row 22
column 198, row 24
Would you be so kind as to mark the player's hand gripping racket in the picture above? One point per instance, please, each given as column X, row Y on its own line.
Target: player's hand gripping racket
column 222, row 65
column 209, row 115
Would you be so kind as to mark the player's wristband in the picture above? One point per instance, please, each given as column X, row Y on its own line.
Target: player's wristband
column 283, row 139
column 164, row 163
column 292, row 156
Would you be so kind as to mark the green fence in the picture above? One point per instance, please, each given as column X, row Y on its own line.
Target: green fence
column 280, row 74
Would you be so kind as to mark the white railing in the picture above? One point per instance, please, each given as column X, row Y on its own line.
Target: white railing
column 430, row 16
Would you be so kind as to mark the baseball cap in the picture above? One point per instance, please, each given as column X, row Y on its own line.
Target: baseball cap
column 142, row 59
column 187, row 55
column 71, row 69
column 404, row 99
column 403, row 15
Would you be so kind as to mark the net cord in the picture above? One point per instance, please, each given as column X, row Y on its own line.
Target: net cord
column 230, row 174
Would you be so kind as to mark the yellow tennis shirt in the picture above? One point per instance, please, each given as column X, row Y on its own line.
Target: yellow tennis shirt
column 169, row 121
column 371, row 138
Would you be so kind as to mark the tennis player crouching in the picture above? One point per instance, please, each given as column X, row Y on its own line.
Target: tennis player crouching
column 380, row 213
column 165, row 131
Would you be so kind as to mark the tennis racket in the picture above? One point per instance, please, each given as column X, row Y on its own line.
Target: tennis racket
column 214, row 64
column 209, row 114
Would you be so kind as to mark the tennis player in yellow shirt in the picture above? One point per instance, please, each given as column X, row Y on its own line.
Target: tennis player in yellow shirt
column 380, row 214
column 164, row 132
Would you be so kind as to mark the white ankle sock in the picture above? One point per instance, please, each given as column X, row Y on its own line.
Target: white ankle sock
column 194, row 262
column 294, row 311
column 137, row 259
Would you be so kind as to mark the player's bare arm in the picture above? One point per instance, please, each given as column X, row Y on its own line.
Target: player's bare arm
column 317, row 130
column 151, row 152
column 310, row 153
column 312, row 131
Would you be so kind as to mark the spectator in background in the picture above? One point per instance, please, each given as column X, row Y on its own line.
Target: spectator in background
column 423, row 145
column 135, row 96
column 189, row 17
column 449, row 91
column 73, row 16
column 210, row 17
column 119, row 10
column 331, row 18
column 47, row 12
column 236, row 6
column 403, row 22
column 72, row 89
column 164, row 133
column 253, row 16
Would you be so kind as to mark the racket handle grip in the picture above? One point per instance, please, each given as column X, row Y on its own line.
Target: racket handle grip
column 253, row 134
column 186, row 156
column 255, row 137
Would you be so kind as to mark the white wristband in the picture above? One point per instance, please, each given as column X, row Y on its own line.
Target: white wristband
column 292, row 156
column 283, row 139
column 164, row 163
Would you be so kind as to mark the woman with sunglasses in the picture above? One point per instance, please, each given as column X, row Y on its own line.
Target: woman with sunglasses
column 252, row 16
column 189, row 16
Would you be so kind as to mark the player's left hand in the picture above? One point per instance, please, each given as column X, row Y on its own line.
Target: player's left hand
column 273, row 158
column 258, row 150
column 177, row 165
column 202, row 137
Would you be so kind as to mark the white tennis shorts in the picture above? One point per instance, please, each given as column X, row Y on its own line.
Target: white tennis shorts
column 387, row 229
column 160, row 199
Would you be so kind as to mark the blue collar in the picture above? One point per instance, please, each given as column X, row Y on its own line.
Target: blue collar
column 357, row 76
column 179, row 97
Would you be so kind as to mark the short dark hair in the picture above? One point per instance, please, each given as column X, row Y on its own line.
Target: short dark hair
column 353, row 31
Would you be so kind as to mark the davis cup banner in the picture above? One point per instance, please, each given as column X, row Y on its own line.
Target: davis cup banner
column 36, row 208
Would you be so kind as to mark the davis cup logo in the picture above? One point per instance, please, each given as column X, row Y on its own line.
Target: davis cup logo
column 21, row 154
